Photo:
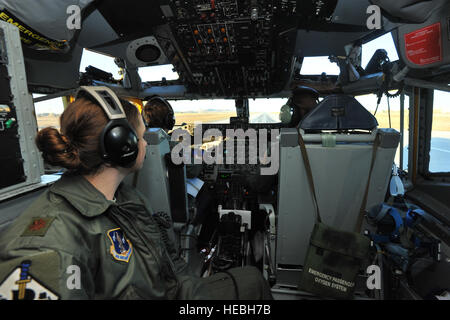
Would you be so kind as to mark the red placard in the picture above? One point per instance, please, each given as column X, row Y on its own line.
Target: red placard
column 424, row 46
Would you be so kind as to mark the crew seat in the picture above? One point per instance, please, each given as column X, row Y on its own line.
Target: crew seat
column 162, row 183
column 339, row 135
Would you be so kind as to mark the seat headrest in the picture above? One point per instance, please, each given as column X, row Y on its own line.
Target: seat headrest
column 339, row 112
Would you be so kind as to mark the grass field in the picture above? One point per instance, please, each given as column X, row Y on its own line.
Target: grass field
column 48, row 121
column 441, row 120
column 205, row 117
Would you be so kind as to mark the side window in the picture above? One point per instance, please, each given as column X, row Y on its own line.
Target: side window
column 388, row 116
column 317, row 65
column 385, row 42
column 100, row 61
column 48, row 112
column 157, row 73
column 440, row 134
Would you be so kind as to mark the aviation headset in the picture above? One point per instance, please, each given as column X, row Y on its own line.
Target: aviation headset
column 286, row 110
column 169, row 119
column 118, row 140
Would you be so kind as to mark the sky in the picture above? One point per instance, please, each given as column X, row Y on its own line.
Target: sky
column 311, row 65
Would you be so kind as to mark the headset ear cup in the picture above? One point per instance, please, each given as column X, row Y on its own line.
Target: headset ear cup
column 170, row 120
column 119, row 144
column 285, row 114
column 118, row 140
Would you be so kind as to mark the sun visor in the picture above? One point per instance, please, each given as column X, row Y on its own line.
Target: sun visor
column 43, row 24
column 426, row 45
column 339, row 112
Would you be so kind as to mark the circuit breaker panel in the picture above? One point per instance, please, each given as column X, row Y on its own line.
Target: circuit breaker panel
column 20, row 161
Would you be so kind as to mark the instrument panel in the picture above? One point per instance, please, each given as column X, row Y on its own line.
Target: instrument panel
column 247, row 158
column 233, row 48
column 221, row 48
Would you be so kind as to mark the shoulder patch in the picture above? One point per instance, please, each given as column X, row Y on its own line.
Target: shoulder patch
column 121, row 248
column 38, row 227
column 20, row 285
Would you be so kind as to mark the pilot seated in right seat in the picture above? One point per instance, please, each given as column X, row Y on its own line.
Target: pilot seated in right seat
column 303, row 100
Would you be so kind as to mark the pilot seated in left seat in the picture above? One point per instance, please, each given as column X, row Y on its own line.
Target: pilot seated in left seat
column 91, row 236
column 158, row 113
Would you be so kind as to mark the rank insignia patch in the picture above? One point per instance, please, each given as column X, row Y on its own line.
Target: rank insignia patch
column 121, row 248
column 38, row 227
column 20, row 285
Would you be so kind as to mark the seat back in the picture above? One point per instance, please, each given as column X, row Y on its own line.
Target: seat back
column 340, row 164
column 158, row 182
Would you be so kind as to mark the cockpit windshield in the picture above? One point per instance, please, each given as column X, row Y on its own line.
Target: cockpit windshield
column 205, row 111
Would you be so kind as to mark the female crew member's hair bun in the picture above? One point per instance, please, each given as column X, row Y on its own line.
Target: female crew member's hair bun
column 57, row 149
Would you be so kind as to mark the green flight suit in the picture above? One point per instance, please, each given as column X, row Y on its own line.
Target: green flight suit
column 73, row 243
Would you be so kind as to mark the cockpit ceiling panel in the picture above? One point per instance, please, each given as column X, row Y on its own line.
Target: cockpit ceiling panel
column 132, row 17
column 351, row 12
column 96, row 31
column 231, row 48
column 314, row 43
column 221, row 48
column 43, row 24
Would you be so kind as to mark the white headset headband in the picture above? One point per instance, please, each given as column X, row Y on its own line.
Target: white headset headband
column 107, row 99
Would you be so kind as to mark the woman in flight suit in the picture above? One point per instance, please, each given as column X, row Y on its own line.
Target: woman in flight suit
column 90, row 236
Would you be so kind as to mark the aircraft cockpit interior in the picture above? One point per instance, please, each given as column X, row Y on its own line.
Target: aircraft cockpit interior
column 347, row 197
